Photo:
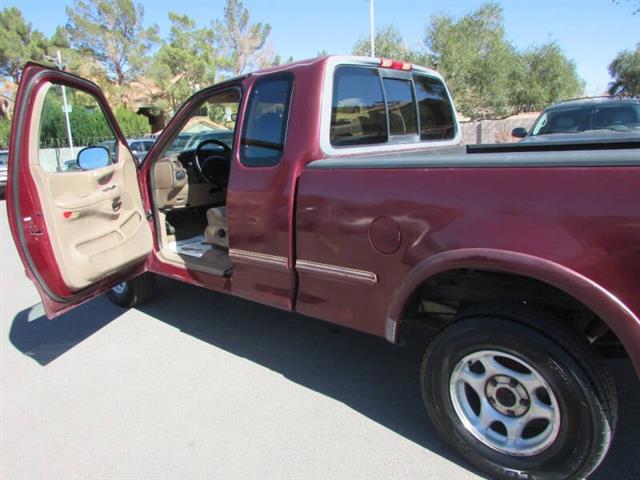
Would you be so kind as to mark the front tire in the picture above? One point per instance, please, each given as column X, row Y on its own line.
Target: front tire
column 133, row 292
column 519, row 396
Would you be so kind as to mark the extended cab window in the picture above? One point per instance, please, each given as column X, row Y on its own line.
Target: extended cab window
column 265, row 127
column 436, row 112
column 402, row 107
column 373, row 106
column 358, row 113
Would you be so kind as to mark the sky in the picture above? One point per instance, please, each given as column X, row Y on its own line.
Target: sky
column 591, row 32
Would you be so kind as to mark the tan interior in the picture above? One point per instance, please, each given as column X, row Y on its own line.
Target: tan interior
column 171, row 183
column 215, row 262
column 175, row 195
column 95, row 219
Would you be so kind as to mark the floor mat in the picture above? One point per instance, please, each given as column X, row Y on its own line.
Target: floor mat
column 194, row 247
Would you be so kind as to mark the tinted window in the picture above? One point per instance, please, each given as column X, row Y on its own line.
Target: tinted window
column 620, row 118
column 358, row 114
column 436, row 113
column 402, row 107
column 264, row 132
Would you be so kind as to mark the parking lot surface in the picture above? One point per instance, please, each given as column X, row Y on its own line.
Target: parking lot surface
column 195, row 384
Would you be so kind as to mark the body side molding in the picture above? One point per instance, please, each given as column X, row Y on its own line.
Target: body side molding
column 336, row 272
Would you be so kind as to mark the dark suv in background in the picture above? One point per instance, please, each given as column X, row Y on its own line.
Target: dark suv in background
column 592, row 118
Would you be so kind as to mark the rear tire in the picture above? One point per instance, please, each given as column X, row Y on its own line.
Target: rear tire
column 133, row 292
column 513, row 370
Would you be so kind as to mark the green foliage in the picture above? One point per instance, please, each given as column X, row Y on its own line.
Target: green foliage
column 242, row 42
column 548, row 77
column 88, row 123
column 19, row 44
column 487, row 75
column 388, row 43
column 111, row 32
column 625, row 71
column 476, row 59
column 132, row 124
column 185, row 63
column 5, row 131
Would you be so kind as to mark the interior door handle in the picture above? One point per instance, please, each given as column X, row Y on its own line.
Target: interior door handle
column 89, row 200
column 116, row 204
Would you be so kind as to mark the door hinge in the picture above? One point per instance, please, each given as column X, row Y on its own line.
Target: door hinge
column 149, row 214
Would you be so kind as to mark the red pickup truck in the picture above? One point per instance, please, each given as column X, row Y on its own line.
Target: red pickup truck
column 333, row 187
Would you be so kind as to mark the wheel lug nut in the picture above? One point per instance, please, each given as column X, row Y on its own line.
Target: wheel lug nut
column 513, row 383
column 494, row 382
column 492, row 400
column 524, row 402
column 511, row 412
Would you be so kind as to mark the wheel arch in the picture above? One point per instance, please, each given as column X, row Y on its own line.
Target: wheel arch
column 624, row 324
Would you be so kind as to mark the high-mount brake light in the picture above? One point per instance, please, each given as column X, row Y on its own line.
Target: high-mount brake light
column 395, row 64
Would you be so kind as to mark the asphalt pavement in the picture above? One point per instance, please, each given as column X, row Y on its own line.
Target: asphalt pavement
column 195, row 384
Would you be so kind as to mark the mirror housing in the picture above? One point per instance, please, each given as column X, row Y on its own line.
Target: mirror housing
column 519, row 132
column 90, row 158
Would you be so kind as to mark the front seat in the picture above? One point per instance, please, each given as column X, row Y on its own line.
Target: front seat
column 216, row 232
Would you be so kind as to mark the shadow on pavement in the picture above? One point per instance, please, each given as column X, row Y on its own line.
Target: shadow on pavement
column 45, row 340
column 372, row 376
column 375, row 378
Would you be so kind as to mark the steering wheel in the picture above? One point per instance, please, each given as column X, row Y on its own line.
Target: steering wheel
column 201, row 158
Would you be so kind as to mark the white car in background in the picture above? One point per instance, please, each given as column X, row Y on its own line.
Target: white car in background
column 4, row 161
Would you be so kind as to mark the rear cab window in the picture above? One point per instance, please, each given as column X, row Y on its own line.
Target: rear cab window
column 379, row 108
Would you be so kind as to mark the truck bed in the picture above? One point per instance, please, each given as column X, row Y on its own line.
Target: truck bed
column 574, row 209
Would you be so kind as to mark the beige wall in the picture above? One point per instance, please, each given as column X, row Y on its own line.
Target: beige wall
column 495, row 131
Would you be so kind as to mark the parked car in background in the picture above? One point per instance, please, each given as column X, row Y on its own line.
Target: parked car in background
column 598, row 117
column 4, row 159
column 140, row 146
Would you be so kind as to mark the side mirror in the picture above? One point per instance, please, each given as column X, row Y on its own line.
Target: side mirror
column 519, row 132
column 91, row 158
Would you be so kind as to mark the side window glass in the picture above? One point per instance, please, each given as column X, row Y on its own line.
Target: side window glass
column 436, row 112
column 72, row 120
column 213, row 121
column 402, row 107
column 358, row 113
column 265, row 127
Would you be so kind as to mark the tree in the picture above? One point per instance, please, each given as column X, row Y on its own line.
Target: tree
column 185, row 63
column 636, row 7
column 476, row 59
column 487, row 75
column 241, row 41
column 625, row 71
column 111, row 32
column 549, row 76
column 5, row 130
column 131, row 123
column 388, row 43
column 19, row 44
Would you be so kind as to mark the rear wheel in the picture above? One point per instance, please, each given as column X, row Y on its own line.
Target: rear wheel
column 133, row 292
column 519, row 396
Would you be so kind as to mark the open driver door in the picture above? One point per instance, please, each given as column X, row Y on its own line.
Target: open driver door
column 73, row 194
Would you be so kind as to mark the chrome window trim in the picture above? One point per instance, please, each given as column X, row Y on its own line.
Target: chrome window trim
column 327, row 101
